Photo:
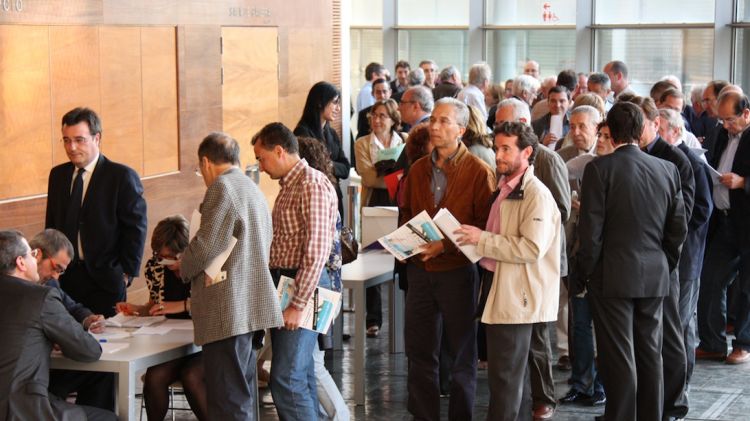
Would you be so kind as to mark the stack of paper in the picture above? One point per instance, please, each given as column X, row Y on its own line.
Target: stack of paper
column 122, row 320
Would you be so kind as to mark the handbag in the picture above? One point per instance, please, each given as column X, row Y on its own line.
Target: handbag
column 349, row 246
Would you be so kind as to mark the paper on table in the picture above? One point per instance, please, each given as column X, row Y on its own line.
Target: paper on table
column 179, row 324
column 110, row 335
column 153, row 330
column 121, row 320
column 556, row 125
column 447, row 223
column 112, row 347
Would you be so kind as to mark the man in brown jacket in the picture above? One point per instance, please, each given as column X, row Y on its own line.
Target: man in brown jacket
column 442, row 281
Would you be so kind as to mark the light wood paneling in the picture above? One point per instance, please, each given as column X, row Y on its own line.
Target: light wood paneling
column 250, row 93
column 74, row 76
column 25, row 130
column 122, row 109
column 159, row 67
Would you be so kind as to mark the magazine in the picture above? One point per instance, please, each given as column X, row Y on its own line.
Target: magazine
column 328, row 303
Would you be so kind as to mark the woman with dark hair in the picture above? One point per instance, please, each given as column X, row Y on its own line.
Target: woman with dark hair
column 170, row 297
column 321, row 108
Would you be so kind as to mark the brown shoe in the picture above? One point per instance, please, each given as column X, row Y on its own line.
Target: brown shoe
column 701, row 354
column 738, row 356
column 543, row 412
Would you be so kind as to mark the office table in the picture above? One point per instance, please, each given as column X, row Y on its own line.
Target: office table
column 372, row 268
column 144, row 351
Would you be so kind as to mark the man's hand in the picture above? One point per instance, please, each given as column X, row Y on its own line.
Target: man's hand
column 549, row 138
column 94, row 323
column 732, row 181
column 468, row 235
column 431, row 250
column 292, row 318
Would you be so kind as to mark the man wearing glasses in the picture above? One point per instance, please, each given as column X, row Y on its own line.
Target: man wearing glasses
column 34, row 319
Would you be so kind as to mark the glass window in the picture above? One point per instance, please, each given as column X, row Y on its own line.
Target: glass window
column 654, row 53
column 366, row 13
column 651, row 11
column 366, row 47
column 445, row 47
column 509, row 50
column 530, row 12
column 743, row 11
column 433, row 12
column 742, row 58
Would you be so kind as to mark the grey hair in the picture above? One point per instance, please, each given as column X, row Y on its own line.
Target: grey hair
column 600, row 79
column 448, row 73
column 696, row 94
column 51, row 242
column 461, row 110
column 674, row 80
column 525, row 83
column 595, row 117
column 673, row 118
column 479, row 74
column 11, row 246
column 422, row 96
column 415, row 77
column 520, row 109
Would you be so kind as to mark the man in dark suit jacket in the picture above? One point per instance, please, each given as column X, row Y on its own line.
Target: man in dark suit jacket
column 728, row 248
column 33, row 320
column 108, row 227
column 559, row 101
column 632, row 207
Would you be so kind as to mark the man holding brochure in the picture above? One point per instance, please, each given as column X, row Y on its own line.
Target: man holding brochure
column 442, row 281
column 230, row 306
column 521, row 245
column 304, row 223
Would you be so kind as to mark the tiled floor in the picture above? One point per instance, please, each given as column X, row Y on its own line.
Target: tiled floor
column 718, row 392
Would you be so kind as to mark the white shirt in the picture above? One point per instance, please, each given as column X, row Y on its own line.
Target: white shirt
column 471, row 95
column 721, row 192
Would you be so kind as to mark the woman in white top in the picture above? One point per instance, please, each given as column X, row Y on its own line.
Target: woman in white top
column 385, row 121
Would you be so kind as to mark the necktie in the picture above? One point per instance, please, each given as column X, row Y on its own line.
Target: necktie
column 74, row 209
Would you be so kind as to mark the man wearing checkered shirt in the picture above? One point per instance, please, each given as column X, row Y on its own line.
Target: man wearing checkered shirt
column 304, row 222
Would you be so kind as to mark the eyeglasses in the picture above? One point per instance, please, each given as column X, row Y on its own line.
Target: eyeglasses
column 379, row 116
column 58, row 268
column 79, row 140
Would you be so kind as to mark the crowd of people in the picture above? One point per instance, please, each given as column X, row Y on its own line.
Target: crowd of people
column 620, row 218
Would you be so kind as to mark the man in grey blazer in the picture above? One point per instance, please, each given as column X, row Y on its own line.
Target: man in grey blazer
column 228, row 309
column 34, row 319
column 631, row 228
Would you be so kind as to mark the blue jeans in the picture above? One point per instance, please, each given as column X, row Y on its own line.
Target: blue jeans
column 584, row 377
column 727, row 256
column 293, row 370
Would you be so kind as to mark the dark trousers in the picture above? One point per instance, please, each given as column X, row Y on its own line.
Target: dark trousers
column 508, row 348
column 584, row 376
column 231, row 383
column 440, row 302
column 673, row 354
column 92, row 388
column 83, row 288
column 629, row 341
column 727, row 255
column 374, row 304
column 688, row 307
column 540, row 366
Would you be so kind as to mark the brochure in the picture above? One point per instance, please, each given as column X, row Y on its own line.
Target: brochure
column 409, row 239
column 328, row 304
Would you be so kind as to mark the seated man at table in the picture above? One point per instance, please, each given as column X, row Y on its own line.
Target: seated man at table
column 34, row 319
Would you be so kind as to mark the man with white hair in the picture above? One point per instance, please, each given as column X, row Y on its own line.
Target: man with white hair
column 583, row 122
column 480, row 76
column 531, row 68
column 526, row 88
column 450, row 83
column 671, row 129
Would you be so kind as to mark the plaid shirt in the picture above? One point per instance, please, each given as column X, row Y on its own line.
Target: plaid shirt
column 304, row 222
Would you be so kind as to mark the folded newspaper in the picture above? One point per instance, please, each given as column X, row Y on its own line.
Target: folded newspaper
column 328, row 304
column 410, row 239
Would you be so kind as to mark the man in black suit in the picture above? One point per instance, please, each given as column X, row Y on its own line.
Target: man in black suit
column 673, row 351
column 728, row 246
column 34, row 319
column 99, row 206
column 632, row 208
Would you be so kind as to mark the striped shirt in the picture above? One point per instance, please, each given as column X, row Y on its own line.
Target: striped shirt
column 304, row 222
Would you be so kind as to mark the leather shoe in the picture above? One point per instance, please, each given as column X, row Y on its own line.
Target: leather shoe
column 701, row 354
column 574, row 396
column 543, row 412
column 598, row 399
column 563, row 363
column 738, row 356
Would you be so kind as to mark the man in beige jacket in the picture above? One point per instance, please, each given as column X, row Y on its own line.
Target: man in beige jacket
column 521, row 245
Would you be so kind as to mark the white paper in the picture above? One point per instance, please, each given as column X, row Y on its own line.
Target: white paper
column 328, row 304
column 152, row 330
column 179, row 324
column 556, row 125
column 122, row 320
column 214, row 268
column 110, row 335
column 447, row 223
column 112, row 347
column 714, row 174
column 195, row 223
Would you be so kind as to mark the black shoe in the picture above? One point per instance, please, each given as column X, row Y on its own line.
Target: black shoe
column 598, row 399
column 574, row 396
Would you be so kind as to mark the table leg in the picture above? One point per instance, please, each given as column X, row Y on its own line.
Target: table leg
column 125, row 392
column 396, row 318
column 359, row 344
column 338, row 331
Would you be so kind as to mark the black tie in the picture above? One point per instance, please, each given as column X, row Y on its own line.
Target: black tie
column 74, row 209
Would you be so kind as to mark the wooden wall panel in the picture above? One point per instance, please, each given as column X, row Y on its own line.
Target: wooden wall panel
column 122, row 108
column 159, row 71
column 74, row 76
column 25, row 138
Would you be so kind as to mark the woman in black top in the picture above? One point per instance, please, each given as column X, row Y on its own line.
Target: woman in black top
column 321, row 108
